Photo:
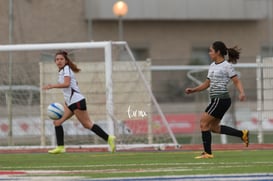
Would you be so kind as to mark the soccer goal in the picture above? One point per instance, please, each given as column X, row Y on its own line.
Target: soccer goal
column 116, row 85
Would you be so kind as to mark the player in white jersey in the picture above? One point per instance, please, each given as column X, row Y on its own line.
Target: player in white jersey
column 74, row 103
column 220, row 73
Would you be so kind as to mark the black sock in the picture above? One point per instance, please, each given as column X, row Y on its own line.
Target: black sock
column 59, row 135
column 230, row 131
column 96, row 129
column 206, row 137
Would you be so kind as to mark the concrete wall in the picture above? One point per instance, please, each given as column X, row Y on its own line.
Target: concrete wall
column 180, row 9
column 168, row 42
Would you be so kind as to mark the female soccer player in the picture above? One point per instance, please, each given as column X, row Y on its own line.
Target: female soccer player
column 219, row 74
column 74, row 103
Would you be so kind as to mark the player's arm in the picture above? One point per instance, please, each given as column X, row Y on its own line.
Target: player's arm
column 240, row 88
column 199, row 88
column 65, row 84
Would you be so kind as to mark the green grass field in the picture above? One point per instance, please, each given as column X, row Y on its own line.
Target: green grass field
column 131, row 164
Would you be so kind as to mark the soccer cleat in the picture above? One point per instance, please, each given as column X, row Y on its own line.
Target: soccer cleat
column 245, row 137
column 57, row 150
column 112, row 143
column 204, row 155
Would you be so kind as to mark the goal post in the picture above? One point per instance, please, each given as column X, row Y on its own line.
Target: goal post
column 115, row 75
column 264, row 95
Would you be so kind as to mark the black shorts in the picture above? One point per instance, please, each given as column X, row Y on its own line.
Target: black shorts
column 218, row 107
column 81, row 105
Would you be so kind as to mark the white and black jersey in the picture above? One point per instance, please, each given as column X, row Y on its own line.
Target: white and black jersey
column 72, row 93
column 219, row 76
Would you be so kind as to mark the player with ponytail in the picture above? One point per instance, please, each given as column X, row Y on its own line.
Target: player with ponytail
column 220, row 73
column 74, row 103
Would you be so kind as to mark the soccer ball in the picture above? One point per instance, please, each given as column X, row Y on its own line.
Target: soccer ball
column 55, row 111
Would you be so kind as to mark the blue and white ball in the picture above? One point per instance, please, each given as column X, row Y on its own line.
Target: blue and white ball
column 55, row 111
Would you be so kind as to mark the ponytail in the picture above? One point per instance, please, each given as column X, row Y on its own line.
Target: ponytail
column 233, row 54
column 73, row 66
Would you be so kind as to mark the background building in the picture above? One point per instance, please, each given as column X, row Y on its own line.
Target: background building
column 173, row 32
column 174, row 29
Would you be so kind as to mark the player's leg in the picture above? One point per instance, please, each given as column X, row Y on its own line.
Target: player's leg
column 60, row 132
column 205, row 121
column 213, row 112
column 218, row 111
column 243, row 134
column 83, row 117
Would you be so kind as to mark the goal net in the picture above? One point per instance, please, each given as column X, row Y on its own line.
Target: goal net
column 264, row 95
column 116, row 86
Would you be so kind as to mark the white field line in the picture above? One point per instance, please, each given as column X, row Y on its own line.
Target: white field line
column 130, row 170
column 134, row 164
column 175, row 167
column 208, row 177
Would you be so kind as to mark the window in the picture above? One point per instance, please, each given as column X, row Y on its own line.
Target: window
column 200, row 56
column 140, row 54
column 267, row 51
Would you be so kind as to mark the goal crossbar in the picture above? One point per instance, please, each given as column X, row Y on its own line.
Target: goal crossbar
column 54, row 46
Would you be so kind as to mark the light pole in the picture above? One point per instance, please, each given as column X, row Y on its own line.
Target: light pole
column 270, row 38
column 9, row 98
column 120, row 9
